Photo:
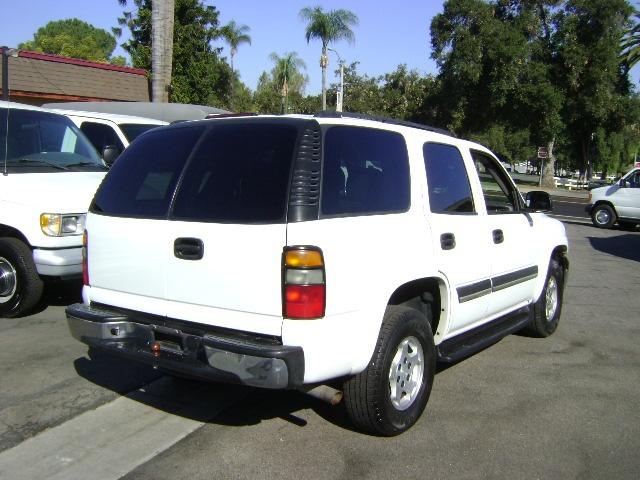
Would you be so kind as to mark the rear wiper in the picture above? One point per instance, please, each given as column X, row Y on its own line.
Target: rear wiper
column 43, row 162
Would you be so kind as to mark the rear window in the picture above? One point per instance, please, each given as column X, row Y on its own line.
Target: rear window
column 141, row 182
column 239, row 174
column 365, row 171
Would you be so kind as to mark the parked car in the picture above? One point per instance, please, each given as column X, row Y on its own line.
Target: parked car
column 292, row 251
column 618, row 203
column 110, row 133
column 50, row 173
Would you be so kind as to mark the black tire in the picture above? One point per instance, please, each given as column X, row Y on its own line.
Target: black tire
column 603, row 216
column 547, row 309
column 20, row 285
column 369, row 396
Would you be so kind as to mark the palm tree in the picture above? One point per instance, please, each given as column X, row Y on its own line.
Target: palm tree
column 630, row 44
column 328, row 27
column 162, row 23
column 235, row 35
column 286, row 74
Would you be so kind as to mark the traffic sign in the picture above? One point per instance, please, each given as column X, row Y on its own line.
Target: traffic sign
column 543, row 152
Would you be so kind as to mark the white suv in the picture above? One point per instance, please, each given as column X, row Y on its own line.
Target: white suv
column 616, row 203
column 287, row 252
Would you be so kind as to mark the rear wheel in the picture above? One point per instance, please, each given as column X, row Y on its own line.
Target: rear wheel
column 603, row 216
column 389, row 396
column 546, row 311
column 20, row 284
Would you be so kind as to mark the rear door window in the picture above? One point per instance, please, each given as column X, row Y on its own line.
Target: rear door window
column 238, row 174
column 447, row 179
column 101, row 135
column 142, row 181
column 365, row 171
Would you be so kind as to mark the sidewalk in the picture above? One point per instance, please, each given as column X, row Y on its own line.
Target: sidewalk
column 556, row 192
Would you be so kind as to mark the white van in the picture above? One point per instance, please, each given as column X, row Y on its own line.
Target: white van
column 616, row 203
column 110, row 133
column 50, row 172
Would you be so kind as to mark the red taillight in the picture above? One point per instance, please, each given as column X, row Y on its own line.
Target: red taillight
column 304, row 301
column 85, row 260
column 303, row 292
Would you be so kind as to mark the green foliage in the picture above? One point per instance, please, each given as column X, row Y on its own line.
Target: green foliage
column 74, row 38
column 543, row 72
column 282, row 90
column 199, row 75
column 328, row 26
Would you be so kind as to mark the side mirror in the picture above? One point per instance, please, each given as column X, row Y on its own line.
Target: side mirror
column 109, row 154
column 622, row 183
column 539, row 201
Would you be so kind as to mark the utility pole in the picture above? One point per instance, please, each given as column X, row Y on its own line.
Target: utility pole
column 340, row 92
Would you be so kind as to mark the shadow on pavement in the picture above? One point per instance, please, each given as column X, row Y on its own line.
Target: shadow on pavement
column 215, row 403
column 623, row 246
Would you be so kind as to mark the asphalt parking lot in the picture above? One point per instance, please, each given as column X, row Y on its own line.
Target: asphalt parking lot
column 565, row 407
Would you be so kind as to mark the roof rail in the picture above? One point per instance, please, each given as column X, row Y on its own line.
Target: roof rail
column 392, row 121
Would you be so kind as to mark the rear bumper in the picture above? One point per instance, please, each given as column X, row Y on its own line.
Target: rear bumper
column 219, row 358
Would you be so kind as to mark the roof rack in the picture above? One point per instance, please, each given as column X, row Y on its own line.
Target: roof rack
column 392, row 121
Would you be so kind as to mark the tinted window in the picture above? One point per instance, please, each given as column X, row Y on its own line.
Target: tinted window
column 364, row 171
column 240, row 173
column 447, row 180
column 133, row 130
column 101, row 135
column 141, row 182
column 499, row 194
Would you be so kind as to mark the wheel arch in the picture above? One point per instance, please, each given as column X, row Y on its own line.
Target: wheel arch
column 429, row 296
column 560, row 253
column 7, row 231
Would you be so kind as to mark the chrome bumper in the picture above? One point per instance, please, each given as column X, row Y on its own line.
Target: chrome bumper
column 220, row 358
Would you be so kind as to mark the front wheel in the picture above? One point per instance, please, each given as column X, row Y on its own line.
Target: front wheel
column 20, row 285
column 389, row 396
column 603, row 216
column 546, row 311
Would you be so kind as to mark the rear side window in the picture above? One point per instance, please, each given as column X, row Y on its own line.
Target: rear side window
column 364, row 171
column 447, row 179
column 239, row 174
column 141, row 182
column 101, row 135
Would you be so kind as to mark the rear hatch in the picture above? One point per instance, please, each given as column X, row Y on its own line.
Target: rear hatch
column 190, row 223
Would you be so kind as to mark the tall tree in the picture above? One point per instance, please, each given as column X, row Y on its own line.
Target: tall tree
column 328, row 27
column 286, row 74
column 199, row 75
column 594, row 78
column 235, row 35
column 74, row 38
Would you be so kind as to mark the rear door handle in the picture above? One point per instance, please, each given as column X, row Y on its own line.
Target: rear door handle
column 188, row 248
column 498, row 236
column 447, row 241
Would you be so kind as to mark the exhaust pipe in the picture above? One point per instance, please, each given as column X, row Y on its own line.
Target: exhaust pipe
column 325, row 393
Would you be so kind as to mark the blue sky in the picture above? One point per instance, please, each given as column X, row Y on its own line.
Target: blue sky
column 388, row 33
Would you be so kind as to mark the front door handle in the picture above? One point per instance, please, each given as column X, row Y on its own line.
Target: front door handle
column 188, row 248
column 447, row 241
column 498, row 236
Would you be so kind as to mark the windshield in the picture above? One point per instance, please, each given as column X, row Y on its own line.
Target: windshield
column 36, row 141
column 133, row 130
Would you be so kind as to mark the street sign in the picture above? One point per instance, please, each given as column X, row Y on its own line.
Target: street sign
column 543, row 152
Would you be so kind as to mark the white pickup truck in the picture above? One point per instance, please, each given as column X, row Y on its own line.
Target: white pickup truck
column 293, row 251
column 50, row 172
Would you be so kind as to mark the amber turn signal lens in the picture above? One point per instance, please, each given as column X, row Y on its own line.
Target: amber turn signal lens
column 303, row 258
